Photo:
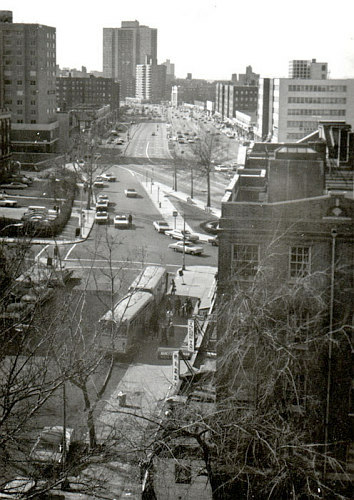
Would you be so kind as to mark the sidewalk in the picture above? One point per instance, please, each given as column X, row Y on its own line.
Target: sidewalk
column 161, row 195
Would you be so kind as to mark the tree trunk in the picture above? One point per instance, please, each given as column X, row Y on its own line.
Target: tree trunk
column 89, row 420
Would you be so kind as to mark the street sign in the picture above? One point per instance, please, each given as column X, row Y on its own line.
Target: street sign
column 175, row 213
column 175, row 367
column 191, row 335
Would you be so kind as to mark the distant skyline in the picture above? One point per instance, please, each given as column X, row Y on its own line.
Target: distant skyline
column 209, row 38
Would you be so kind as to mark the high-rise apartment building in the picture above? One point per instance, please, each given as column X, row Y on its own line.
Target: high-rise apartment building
column 312, row 70
column 289, row 109
column 150, row 82
column 123, row 49
column 28, row 83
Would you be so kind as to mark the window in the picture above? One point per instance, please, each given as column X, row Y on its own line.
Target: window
column 183, row 474
column 32, row 82
column 245, row 259
column 19, row 102
column 33, row 103
column 33, row 121
column 19, row 82
column 299, row 262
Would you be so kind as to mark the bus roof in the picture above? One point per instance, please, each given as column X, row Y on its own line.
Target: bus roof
column 128, row 307
column 148, row 279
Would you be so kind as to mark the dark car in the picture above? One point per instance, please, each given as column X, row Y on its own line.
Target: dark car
column 13, row 185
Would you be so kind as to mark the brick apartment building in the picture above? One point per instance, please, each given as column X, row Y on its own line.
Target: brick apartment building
column 27, row 84
column 75, row 91
column 280, row 216
column 5, row 144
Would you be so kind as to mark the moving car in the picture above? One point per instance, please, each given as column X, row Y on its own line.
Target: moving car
column 13, row 185
column 109, row 177
column 49, row 447
column 5, row 202
column 101, row 217
column 187, row 247
column 161, row 226
column 130, row 193
column 121, row 221
column 177, row 234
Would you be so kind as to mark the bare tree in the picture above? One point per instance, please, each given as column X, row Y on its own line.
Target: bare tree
column 264, row 438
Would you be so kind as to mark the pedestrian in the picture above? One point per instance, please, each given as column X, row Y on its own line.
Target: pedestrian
column 189, row 307
column 173, row 287
column 130, row 219
column 177, row 305
column 171, row 329
column 184, row 308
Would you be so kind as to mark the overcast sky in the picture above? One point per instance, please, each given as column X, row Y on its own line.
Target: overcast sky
column 209, row 38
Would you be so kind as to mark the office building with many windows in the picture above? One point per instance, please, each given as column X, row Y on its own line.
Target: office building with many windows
column 290, row 109
column 28, row 84
column 310, row 70
column 123, row 49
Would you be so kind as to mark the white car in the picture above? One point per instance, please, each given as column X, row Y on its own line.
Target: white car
column 103, row 196
column 102, row 206
column 101, row 217
column 4, row 202
column 49, row 445
column 108, row 177
column 222, row 168
column 177, row 234
column 130, row 193
column 186, row 247
column 161, row 226
column 121, row 222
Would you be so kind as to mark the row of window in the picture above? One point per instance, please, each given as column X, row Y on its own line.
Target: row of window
column 245, row 260
column 301, row 124
column 317, row 88
column 19, row 82
column 317, row 112
column 317, row 100
column 294, row 135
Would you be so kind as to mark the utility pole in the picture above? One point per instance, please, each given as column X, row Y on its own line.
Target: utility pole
column 192, row 191
column 184, row 245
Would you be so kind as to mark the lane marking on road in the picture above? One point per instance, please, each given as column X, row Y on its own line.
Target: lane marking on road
column 37, row 257
column 69, row 252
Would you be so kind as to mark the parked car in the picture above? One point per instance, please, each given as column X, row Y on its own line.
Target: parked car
column 17, row 488
column 187, row 247
column 130, row 193
column 121, row 221
column 49, row 446
column 21, row 178
column 161, row 226
column 98, row 184
column 214, row 240
column 5, row 202
column 101, row 217
column 222, row 168
column 102, row 206
column 177, row 234
column 13, row 185
column 103, row 196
